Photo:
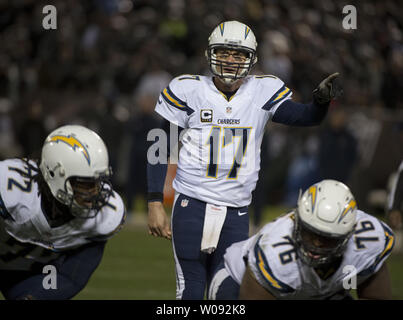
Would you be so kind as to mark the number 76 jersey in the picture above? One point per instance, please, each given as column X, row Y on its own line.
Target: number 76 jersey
column 272, row 257
column 220, row 156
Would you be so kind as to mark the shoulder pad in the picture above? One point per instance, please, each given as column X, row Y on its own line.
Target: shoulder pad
column 273, row 257
column 372, row 241
column 268, row 269
column 111, row 218
column 273, row 90
column 268, row 81
column 18, row 193
column 176, row 93
column 185, row 83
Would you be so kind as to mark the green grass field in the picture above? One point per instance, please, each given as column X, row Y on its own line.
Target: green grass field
column 138, row 266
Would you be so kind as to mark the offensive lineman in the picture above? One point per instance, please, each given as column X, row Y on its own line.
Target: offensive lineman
column 317, row 251
column 223, row 120
column 56, row 215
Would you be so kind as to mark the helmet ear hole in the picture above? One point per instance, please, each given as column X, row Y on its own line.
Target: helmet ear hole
column 51, row 174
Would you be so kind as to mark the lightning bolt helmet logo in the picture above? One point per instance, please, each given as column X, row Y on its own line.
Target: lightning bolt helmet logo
column 74, row 143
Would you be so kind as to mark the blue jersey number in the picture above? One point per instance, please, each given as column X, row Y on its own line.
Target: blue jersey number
column 288, row 255
column 365, row 226
column 214, row 144
column 26, row 185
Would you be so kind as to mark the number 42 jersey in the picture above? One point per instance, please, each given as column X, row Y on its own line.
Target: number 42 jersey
column 220, row 156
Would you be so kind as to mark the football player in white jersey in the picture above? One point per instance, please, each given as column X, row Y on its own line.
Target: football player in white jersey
column 323, row 248
column 56, row 216
column 221, row 121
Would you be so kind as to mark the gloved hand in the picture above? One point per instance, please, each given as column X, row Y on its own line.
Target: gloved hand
column 327, row 90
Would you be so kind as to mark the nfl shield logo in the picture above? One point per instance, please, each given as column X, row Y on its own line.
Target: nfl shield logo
column 184, row 202
column 229, row 109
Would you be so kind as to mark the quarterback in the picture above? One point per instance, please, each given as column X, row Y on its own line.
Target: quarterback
column 323, row 248
column 222, row 119
column 58, row 212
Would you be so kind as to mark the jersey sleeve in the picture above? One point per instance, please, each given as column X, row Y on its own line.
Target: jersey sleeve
column 274, row 93
column 17, row 191
column 4, row 197
column 376, row 246
column 110, row 220
column 269, row 271
column 173, row 104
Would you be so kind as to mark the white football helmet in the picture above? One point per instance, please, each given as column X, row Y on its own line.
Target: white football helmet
column 325, row 220
column 231, row 35
column 75, row 166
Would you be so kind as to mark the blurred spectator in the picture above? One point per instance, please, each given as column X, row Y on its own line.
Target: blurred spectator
column 275, row 55
column 395, row 204
column 394, row 207
column 337, row 151
column 143, row 120
column 303, row 169
column 392, row 87
column 9, row 146
column 260, row 193
column 139, row 127
column 110, row 121
column 114, row 48
column 32, row 132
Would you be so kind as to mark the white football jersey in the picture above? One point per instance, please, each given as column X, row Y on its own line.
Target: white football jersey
column 220, row 156
column 24, row 229
column 272, row 257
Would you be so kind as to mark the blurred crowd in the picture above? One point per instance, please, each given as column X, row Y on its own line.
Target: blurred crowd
column 107, row 61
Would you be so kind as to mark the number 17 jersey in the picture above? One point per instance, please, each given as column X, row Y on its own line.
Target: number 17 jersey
column 219, row 160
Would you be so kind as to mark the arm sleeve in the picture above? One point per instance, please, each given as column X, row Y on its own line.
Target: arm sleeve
column 299, row 114
column 156, row 173
column 73, row 270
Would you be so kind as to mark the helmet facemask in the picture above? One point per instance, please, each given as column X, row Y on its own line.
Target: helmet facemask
column 85, row 196
column 316, row 248
column 231, row 71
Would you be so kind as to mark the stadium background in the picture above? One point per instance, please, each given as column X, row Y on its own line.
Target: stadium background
column 108, row 60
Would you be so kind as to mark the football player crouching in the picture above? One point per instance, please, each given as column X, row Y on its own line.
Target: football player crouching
column 56, row 216
column 321, row 250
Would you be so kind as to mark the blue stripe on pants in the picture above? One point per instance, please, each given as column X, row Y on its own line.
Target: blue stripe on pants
column 223, row 286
